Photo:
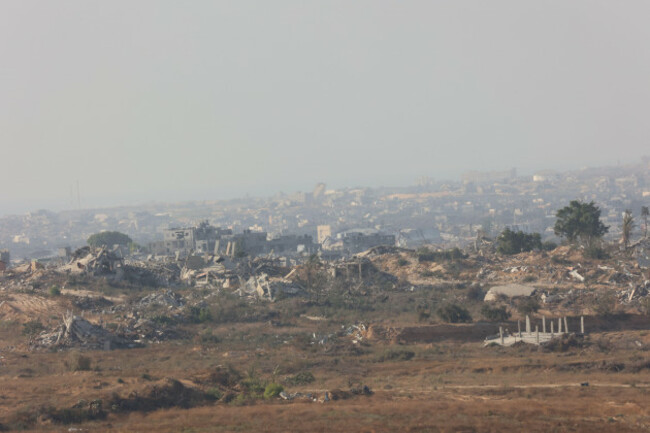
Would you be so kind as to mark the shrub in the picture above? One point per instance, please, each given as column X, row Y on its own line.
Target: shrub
column 495, row 314
column 605, row 304
column 302, row 378
column 272, row 390
column 79, row 362
column 528, row 306
column 161, row 319
column 426, row 255
column 431, row 274
column 55, row 291
column 454, row 313
column 548, row 246
column 199, row 315
column 559, row 260
column 645, row 306
column 511, row 242
column 207, row 337
column 475, row 293
column 402, row 262
column 595, row 252
column 396, row 355
column 32, row 328
column 214, row 394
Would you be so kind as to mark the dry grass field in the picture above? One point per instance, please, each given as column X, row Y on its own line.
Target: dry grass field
column 368, row 353
column 446, row 386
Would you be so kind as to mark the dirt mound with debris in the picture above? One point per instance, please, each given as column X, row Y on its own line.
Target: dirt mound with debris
column 163, row 394
column 165, row 298
column 24, row 308
column 76, row 332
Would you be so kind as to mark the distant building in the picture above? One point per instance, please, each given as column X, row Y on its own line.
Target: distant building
column 206, row 239
column 323, row 232
column 357, row 240
column 415, row 238
column 201, row 239
column 257, row 243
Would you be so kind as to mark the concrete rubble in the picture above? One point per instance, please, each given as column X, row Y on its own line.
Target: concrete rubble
column 166, row 298
column 97, row 262
column 509, row 290
column 269, row 288
column 76, row 332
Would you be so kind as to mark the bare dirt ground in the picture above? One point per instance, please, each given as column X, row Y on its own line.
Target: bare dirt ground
column 19, row 307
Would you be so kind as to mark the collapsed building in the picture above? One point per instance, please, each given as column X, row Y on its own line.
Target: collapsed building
column 357, row 240
column 207, row 239
column 98, row 262
column 183, row 241
column 77, row 332
column 269, row 288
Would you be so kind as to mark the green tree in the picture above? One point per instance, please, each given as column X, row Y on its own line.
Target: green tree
column 580, row 222
column 628, row 225
column 645, row 212
column 511, row 242
column 108, row 239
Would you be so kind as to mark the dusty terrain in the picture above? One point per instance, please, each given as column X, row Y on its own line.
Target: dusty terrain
column 365, row 360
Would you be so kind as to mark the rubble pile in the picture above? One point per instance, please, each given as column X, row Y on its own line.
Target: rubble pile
column 268, row 288
column 96, row 262
column 144, row 330
column 152, row 274
column 166, row 298
column 76, row 332
column 93, row 304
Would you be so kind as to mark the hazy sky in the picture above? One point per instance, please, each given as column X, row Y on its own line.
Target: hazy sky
column 160, row 100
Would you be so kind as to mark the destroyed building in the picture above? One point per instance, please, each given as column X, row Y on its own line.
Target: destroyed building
column 201, row 239
column 258, row 243
column 357, row 240
column 415, row 238
column 207, row 239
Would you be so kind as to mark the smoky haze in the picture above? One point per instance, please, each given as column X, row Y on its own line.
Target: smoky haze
column 167, row 100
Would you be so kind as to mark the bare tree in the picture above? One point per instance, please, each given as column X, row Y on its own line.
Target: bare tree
column 644, row 214
column 628, row 225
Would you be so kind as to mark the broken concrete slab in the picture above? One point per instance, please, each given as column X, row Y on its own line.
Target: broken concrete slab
column 508, row 290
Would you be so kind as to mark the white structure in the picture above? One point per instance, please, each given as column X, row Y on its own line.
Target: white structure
column 533, row 337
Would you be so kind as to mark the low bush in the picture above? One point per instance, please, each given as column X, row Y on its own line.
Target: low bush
column 528, row 306
column 32, row 328
column 396, row 355
column 302, row 378
column 495, row 314
column 426, row 255
column 272, row 390
column 454, row 313
column 214, row 394
column 78, row 362
column 595, row 252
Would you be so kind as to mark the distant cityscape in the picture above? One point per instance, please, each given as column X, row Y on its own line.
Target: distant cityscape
column 340, row 222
